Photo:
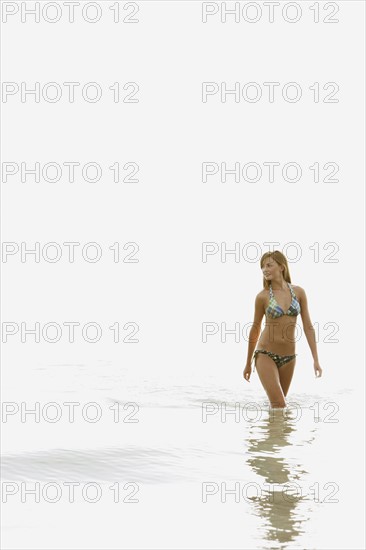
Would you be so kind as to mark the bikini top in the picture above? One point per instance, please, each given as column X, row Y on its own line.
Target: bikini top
column 274, row 310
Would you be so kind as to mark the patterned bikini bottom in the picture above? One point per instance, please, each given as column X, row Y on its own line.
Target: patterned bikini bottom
column 278, row 359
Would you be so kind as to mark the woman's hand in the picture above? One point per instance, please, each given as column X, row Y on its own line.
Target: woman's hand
column 247, row 372
column 317, row 369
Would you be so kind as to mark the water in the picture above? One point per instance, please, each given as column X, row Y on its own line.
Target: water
column 204, row 467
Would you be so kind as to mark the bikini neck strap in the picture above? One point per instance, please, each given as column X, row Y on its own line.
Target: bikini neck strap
column 271, row 291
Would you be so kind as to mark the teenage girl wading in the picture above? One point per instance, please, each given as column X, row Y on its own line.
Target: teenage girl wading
column 281, row 303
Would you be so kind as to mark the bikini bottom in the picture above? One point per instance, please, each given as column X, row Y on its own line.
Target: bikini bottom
column 280, row 360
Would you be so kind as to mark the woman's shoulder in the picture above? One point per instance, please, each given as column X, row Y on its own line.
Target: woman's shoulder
column 262, row 293
column 298, row 290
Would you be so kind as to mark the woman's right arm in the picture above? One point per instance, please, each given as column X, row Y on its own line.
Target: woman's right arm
column 255, row 331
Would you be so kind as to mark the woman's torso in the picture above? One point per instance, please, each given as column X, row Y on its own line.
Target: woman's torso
column 279, row 334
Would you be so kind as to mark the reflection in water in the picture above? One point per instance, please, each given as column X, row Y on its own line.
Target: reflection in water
column 280, row 496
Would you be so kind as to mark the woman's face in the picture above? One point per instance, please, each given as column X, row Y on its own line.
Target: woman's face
column 271, row 269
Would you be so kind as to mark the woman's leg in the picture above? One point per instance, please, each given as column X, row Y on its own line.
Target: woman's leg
column 269, row 376
column 286, row 372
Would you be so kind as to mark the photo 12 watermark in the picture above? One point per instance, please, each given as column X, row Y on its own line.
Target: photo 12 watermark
column 68, row 412
column 291, row 492
column 270, row 12
column 252, row 412
column 91, row 492
column 70, row 12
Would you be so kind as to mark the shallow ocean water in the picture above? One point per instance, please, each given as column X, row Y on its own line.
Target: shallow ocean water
column 180, row 465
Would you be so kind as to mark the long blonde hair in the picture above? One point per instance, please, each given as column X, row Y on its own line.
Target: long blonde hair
column 281, row 260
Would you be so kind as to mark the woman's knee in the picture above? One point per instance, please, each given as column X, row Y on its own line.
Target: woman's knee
column 276, row 397
column 278, row 403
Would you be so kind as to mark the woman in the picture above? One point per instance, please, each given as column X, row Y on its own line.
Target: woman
column 275, row 355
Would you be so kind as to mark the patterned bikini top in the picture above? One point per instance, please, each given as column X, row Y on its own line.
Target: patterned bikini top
column 274, row 310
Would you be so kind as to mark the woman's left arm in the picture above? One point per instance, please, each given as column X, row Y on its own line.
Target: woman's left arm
column 309, row 329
